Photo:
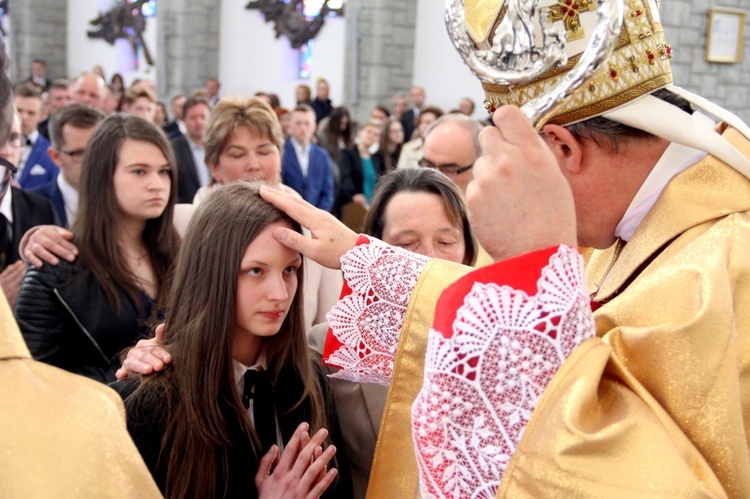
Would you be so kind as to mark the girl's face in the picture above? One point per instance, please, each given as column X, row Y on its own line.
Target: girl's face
column 142, row 180
column 399, row 106
column 425, row 120
column 395, row 133
column 378, row 114
column 266, row 286
column 368, row 135
column 160, row 115
column 418, row 222
column 286, row 124
column 248, row 156
column 302, row 94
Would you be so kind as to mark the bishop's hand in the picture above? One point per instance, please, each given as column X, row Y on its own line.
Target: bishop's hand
column 330, row 238
column 518, row 200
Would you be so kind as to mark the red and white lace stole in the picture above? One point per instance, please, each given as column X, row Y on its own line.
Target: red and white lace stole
column 499, row 336
column 365, row 325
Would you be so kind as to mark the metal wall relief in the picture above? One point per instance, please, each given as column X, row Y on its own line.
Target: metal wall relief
column 123, row 21
column 290, row 20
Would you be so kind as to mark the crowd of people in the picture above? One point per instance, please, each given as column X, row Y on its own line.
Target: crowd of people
column 107, row 191
column 293, row 303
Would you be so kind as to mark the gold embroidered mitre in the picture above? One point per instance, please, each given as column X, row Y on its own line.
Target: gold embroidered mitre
column 638, row 66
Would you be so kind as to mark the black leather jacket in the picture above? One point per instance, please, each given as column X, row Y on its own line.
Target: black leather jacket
column 67, row 321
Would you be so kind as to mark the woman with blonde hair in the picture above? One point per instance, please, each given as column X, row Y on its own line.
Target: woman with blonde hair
column 243, row 141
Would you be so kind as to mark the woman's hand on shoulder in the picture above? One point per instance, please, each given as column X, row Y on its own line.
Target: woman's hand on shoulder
column 330, row 238
column 47, row 243
column 300, row 472
column 146, row 357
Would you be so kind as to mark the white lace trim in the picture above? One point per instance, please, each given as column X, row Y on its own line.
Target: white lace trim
column 368, row 322
column 482, row 384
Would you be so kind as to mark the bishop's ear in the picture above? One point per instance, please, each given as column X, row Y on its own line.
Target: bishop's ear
column 566, row 148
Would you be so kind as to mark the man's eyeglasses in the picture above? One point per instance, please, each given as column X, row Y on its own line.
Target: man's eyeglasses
column 449, row 169
column 76, row 155
column 7, row 169
column 15, row 140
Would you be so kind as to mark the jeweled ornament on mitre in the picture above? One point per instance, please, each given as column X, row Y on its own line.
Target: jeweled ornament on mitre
column 564, row 60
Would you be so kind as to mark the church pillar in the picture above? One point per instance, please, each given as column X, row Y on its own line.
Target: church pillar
column 188, row 45
column 380, row 52
column 38, row 30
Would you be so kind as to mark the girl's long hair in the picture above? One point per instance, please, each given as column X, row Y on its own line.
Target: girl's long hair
column 385, row 145
column 94, row 230
column 199, row 334
column 334, row 133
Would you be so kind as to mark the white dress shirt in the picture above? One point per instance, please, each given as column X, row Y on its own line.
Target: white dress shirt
column 199, row 156
column 303, row 156
column 28, row 145
column 70, row 199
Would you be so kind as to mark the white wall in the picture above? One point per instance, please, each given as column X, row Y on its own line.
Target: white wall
column 84, row 53
column 252, row 59
column 437, row 65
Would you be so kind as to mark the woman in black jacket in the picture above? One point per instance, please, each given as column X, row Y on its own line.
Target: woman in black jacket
column 389, row 148
column 79, row 316
column 358, row 174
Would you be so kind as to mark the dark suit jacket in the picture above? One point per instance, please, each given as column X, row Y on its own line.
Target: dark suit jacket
column 171, row 130
column 188, row 181
column 29, row 210
column 43, row 128
column 407, row 121
column 322, row 108
column 39, row 168
column 51, row 191
column 352, row 174
column 317, row 188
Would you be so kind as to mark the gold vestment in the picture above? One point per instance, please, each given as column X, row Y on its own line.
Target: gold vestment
column 658, row 404
column 62, row 435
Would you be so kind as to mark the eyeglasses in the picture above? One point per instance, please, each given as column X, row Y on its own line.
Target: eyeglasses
column 15, row 140
column 449, row 169
column 74, row 155
column 7, row 169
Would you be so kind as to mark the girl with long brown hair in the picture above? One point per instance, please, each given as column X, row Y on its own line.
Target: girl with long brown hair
column 242, row 384
column 389, row 148
column 80, row 315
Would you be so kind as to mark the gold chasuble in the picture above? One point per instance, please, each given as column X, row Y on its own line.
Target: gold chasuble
column 658, row 404
column 62, row 435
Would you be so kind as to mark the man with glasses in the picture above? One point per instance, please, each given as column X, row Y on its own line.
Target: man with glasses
column 451, row 145
column 19, row 211
column 70, row 129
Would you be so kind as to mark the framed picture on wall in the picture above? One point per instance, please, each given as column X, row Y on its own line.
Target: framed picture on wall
column 725, row 34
